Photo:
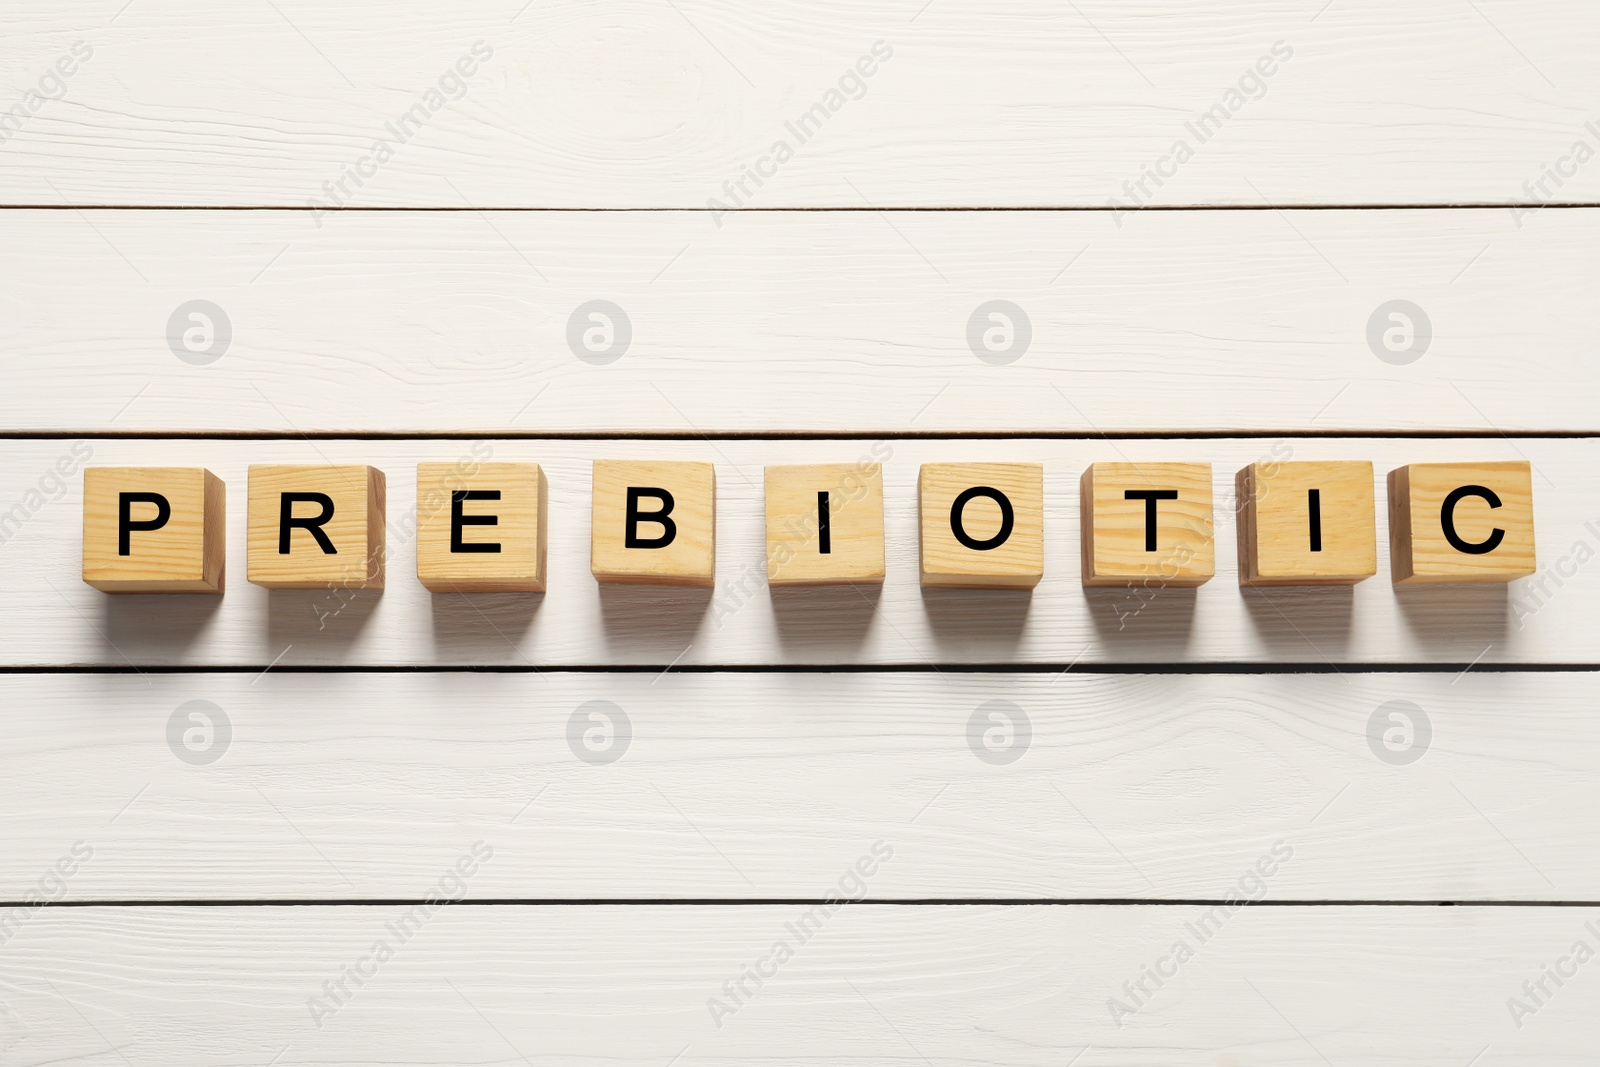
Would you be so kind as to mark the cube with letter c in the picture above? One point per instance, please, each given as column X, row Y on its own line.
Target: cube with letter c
column 481, row 527
column 981, row 524
column 1148, row 523
column 1461, row 522
column 316, row 527
column 653, row 522
column 153, row 529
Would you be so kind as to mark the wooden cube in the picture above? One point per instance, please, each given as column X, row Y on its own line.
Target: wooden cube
column 316, row 527
column 825, row 524
column 1461, row 522
column 1147, row 523
column 981, row 524
column 481, row 528
column 153, row 529
column 1307, row 523
column 654, row 523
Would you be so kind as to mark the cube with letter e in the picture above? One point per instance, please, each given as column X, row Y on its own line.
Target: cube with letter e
column 481, row 528
column 316, row 527
column 653, row 522
column 981, row 524
column 153, row 529
column 1461, row 522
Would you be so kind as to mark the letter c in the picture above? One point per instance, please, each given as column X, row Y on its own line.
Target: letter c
column 1447, row 519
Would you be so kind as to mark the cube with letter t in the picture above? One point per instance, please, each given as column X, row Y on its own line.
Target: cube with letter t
column 1461, row 522
column 481, row 528
column 654, row 522
column 316, row 527
column 981, row 524
column 1148, row 523
column 153, row 529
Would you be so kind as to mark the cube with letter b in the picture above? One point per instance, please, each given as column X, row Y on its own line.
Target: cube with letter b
column 153, row 529
column 654, row 522
column 1148, row 523
column 1461, row 522
column 825, row 524
column 1307, row 523
column 316, row 527
column 481, row 528
column 981, row 524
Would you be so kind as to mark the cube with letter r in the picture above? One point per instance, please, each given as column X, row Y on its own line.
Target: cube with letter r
column 316, row 527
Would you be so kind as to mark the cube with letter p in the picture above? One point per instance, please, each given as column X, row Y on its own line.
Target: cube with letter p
column 153, row 529
column 316, row 527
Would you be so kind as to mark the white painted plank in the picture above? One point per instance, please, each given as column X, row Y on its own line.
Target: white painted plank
column 845, row 322
column 56, row 619
column 761, row 786
column 622, row 103
column 1299, row 987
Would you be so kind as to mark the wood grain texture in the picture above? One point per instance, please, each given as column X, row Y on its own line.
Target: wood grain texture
column 852, row 322
column 1298, row 987
column 998, row 508
column 1306, row 523
column 623, row 104
column 765, row 785
column 653, row 522
column 332, row 542
column 1490, row 515
column 57, row 620
column 509, row 510
column 185, row 552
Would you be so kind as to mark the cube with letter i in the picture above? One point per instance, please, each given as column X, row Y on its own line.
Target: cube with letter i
column 1307, row 523
column 981, row 524
column 825, row 524
column 316, row 527
column 153, row 529
column 1148, row 523
column 1461, row 522
column 481, row 528
column 653, row 522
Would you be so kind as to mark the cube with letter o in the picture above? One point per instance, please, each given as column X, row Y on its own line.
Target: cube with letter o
column 981, row 524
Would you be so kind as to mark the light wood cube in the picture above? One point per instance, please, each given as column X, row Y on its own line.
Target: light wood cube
column 316, row 527
column 825, row 524
column 482, row 528
column 981, row 524
column 654, row 523
column 154, row 529
column 1147, row 523
column 1307, row 523
column 1461, row 522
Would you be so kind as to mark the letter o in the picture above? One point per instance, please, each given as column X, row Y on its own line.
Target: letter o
column 1007, row 518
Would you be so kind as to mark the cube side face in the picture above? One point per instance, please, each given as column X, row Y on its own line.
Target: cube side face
column 1482, row 542
column 1281, row 547
column 854, row 528
column 186, row 554
column 688, row 558
column 520, row 529
column 354, row 530
column 1116, row 527
column 1017, row 561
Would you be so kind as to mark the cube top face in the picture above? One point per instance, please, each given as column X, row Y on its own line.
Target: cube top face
column 825, row 524
column 482, row 527
column 981, row 525
column 653, row 523
column 1307, row 523
column 1461, row 522
column 1148, row 523
column 316, row 527
column 153, row 529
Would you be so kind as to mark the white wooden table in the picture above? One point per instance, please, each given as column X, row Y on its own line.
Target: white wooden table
column 390, row 841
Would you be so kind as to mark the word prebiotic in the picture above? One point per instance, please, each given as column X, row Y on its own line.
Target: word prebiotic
column 980, row 525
